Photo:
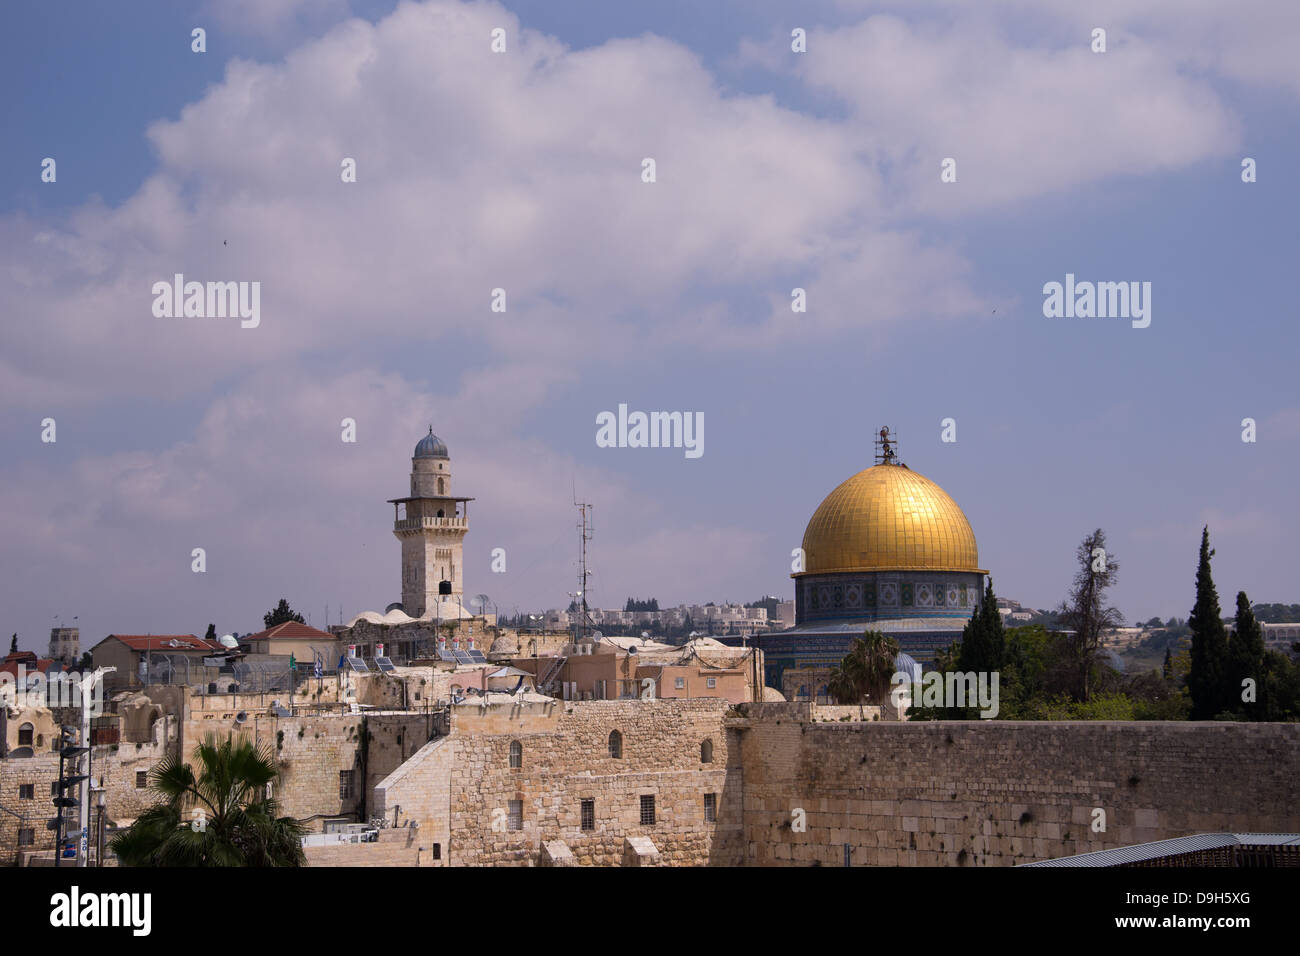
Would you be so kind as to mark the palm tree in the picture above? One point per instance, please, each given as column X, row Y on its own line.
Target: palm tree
column 866, row 671
column 232, row 820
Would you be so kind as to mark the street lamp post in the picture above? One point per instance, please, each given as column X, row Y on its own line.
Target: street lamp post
column 83, row 811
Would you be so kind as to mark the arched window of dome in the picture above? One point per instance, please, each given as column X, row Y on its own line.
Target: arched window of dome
column 706, row 752
column 516, row 755
column 616, row 745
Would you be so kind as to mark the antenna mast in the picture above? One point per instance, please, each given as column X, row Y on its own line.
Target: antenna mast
column 584, row 531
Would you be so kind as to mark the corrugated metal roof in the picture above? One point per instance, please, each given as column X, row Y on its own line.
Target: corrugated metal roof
column 1176, row 846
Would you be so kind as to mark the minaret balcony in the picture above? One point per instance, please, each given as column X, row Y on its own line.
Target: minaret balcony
column 419, row 524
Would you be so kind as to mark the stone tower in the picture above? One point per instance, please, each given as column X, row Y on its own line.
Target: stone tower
column 431, row 525
column 65, row 644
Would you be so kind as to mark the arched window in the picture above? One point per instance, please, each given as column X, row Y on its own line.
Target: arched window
column 440, row 514
column 25, row 732
column 516, row 755
column 706, row 752
column 616, row 745
column 440, row 486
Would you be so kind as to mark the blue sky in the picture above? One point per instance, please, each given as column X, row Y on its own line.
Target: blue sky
column 522, row 171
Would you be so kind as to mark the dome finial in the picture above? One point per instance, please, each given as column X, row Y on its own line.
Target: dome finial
column 885, row 445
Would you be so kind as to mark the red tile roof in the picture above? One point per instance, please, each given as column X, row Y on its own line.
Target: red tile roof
column 171, row 643
column 290, row 631
column 10, row 666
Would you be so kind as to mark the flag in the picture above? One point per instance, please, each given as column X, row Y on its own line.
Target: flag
column 293, row 664
column 317, row 669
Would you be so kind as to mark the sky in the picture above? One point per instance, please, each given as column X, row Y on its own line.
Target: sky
column 522, row 170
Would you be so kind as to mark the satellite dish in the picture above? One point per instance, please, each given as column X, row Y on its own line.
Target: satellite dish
column 241, row 717
column 228, row 640
column 645, row 635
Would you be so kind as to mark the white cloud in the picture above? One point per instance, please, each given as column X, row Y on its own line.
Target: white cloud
column 1020, row 120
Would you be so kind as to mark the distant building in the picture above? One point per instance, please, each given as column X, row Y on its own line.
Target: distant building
column 300, row 640
column 131, row 654
column 629, row 668
column 1281, row 636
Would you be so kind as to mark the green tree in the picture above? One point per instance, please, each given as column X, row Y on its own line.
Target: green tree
column 281, row 614
column 1245, row 661
column 1086, row 613
column 1205, row 681
column 1281, row 694
column 231, row 821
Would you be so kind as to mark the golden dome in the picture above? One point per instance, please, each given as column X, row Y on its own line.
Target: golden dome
column 887, row 518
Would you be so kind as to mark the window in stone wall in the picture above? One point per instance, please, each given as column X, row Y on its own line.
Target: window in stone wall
column 706, row 752
column 710, row 808
column 712, row 682
column 141, row 779
column 27, row 791
column 616, row 745
column 347, row 784
column 437, row 851
column 516, row 755
column 26, row 836
column 516, row 814
column 680, row 683
column 589, row 814
column 647, row 810
column 25, row 732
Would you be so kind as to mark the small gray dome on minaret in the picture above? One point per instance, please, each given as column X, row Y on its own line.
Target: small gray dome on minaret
column 430, row 446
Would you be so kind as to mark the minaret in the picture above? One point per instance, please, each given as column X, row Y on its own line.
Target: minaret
column 431, row 525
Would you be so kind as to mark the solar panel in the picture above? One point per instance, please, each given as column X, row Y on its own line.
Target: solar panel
column 463, row 658
column 476, row 656
column 446, row 656
column 385, row 665
column 358, row 665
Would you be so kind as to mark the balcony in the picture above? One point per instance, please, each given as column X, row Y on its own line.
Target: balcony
column 418, row 524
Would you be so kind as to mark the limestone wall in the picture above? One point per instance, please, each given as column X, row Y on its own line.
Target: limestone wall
column 565, row 759
column 1003, row 792
column 26, row 813
column 419, row 792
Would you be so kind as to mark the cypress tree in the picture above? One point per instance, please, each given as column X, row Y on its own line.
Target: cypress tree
column 1245, row 659
column 1205, row 681
column 982, row 649
column 1167, row 671
column 983, row 639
